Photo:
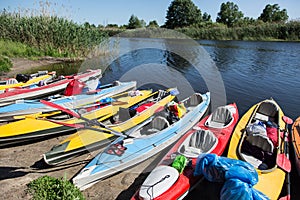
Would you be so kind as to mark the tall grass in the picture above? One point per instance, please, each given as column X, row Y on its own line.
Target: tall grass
column 53, row 35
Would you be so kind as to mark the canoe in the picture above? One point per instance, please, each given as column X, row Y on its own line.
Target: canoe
column 48, row 88
column 210, row 135
column 144, row 141
column 24, row 80
column 88, row 140
column 25, row 107
column 257, row 140
column 41, row 125
column 296, row 143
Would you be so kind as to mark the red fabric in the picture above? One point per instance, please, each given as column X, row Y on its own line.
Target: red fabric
column 174, row 109
column 74, row 87
column 144, row 107
column 273, row 135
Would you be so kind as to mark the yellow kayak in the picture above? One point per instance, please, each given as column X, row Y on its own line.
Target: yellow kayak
column 87, row 140
column 27, row 80
column 257, row 140
column 35, row 126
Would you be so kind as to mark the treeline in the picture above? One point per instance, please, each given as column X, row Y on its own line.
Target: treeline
column 231, row 24
column 52, row 35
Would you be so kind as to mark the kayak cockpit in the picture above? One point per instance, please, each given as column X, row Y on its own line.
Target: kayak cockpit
column 201, row 141
column 259, row 143
column 221, row 117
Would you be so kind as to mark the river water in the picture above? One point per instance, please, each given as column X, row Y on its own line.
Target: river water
column 234, row 71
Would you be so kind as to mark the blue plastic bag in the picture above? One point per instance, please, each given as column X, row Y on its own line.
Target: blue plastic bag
column 238, row 176
column 218, row 169
column 235, row 189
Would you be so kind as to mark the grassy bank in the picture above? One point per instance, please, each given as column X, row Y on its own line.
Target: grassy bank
column 263, row 32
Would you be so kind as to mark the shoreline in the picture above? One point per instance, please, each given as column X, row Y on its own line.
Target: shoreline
column 22, row 64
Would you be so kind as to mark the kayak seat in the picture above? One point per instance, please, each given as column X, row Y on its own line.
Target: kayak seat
column 193, row 101
column 124, row 114
column 268, row 109
column 11, row 81
column 157, row 124
column 201, row 141
column 219, row 118
column 261, row 141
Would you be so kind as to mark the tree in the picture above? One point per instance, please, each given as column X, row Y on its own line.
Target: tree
column 272, row 13
column 112, row 26
column 229, row 14
column 143, row 23
column 134, row 22
column 153, row 24
column 182, row 13
column 206, row 17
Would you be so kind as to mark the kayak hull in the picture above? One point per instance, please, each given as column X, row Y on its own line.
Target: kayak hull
column 88, row 140
column 296, row 143
column 143, row 146
column 186, row 180
column 32, row 127
column 12, row 95
column 271, row 180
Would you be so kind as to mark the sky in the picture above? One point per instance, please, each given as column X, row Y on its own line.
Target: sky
column 119, row 11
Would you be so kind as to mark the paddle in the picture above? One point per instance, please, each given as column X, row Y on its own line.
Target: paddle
column 282, row 159
column 286, row 163
column 77, row 115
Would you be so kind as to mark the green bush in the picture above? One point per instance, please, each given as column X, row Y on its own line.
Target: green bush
column 5, row 64
column 17, row 49
column 50, row 188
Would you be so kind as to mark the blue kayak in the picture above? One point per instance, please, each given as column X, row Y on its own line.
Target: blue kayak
column 144, row 141
column 24, row 107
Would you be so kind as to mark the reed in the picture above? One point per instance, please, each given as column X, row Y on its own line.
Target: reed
column 52, row 35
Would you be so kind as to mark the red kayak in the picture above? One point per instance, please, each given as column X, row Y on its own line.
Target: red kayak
column 210, row 135
column 44, row 89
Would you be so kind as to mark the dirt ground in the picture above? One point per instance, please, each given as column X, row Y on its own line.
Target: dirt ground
column 21, row 164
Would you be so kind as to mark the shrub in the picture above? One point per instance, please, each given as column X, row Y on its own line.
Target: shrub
column 5, row 64
column 47, row 188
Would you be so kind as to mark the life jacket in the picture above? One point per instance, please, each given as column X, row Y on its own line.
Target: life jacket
column 74, row 87
column 177, row 108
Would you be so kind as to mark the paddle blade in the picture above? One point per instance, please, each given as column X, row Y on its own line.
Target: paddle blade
column 283, row 162
column 59, row 107
column 66, row 124
column 287, row 197
column 287, row 120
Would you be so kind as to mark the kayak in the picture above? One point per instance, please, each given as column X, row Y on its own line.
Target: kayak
column 25, row 107
column 144, row 141
column 257, row 140
column 24, row 80
column 41, row 125
column 210, row 135
column 296, row 143
column 47, row 88
column 87, row 140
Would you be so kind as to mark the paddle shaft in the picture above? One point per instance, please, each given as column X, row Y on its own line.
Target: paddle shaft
column 77, row 115
column 286, row 150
